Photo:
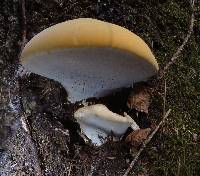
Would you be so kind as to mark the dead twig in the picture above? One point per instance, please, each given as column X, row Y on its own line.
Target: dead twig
column 165, row 115
column 70, row 168
column 178, row 51
column 145, row 143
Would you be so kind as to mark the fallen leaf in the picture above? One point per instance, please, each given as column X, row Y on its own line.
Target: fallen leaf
column 140, row 97
column 137, row 137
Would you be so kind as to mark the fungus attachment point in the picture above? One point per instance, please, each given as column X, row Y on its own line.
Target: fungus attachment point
column 97, row 122
column 89, row 57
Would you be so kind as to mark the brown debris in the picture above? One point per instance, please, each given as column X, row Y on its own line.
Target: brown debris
column 137, row 137
column 140, row 97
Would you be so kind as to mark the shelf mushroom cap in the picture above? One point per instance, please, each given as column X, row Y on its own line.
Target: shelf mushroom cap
column 89, row 57
column 97, row 122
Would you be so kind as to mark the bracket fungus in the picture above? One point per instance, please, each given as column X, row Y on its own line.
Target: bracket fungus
column 90, row 58
column 97, row 122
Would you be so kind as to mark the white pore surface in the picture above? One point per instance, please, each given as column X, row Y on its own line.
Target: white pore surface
column 97, row 121
column 90, row 72
column 97, row 136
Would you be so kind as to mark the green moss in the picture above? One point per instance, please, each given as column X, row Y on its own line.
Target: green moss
column 178, row 150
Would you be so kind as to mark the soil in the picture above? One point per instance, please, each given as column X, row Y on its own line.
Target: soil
column 38, row 134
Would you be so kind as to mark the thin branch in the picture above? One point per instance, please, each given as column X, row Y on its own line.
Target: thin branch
column 178, row 51
column 165, row 115
column 145, row 143
column 70, row 168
